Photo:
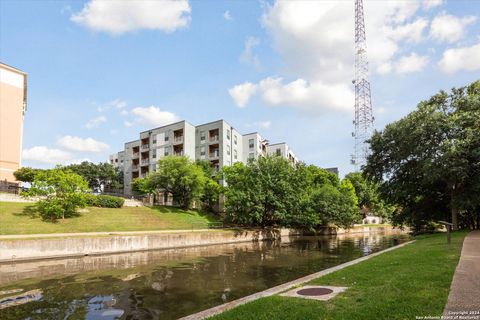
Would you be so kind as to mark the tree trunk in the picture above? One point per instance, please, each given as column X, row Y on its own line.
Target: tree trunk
column 454, row 217
column 453, row 208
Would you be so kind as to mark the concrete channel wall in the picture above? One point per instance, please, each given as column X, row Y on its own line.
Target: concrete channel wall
column 29, row 249
column 56, row 246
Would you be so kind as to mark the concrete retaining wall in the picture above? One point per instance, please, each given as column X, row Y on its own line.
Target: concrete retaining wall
column 28, row 249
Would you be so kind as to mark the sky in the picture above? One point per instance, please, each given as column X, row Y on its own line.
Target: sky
column 100, row 72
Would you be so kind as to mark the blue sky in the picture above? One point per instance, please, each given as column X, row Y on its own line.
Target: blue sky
column 101, row 72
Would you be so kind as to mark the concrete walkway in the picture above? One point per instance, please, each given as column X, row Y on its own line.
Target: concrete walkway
column 464, row 297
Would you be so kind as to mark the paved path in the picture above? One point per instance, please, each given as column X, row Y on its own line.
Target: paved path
column 465, row 289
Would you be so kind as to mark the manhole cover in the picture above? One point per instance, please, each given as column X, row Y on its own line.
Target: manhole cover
column 314, row 291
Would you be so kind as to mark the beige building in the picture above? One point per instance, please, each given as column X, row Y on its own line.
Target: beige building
column 13, row 104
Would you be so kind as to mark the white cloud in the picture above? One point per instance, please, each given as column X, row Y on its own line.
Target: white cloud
column 153, row 116
column 412, row 32
column 315, row 40
column 43, row 154
column 124, row 112
column 128, row 124
column 448, row 28
column 241, row 93
column 227, row 16
column 82, row 144
column 118, row 17
column 117, row 104
column 247, row 55
column 95, row 122
column 429, row 4
column 411, row 63
column 457, row 59
column 311, row 96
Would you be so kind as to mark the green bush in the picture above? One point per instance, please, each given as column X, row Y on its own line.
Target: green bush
column 104, row 201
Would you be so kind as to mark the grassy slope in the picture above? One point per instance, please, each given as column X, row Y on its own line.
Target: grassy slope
column 14, row 219
column 408, row 282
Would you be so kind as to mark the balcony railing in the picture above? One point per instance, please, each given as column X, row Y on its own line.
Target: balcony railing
column 145, row 146
column 178, row 139
column 135, row 154
column 213, row 138
column 134, row 166
column 178, row 153
column 214, row 154
column 145, row 162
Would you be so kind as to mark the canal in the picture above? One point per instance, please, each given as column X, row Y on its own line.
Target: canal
column 168, row 284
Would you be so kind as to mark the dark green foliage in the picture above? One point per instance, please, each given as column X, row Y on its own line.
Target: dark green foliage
column 270, row 192
column 184, row 179
column 26, row 174
column 428, row 162
column 98, row 175
column 103, row 201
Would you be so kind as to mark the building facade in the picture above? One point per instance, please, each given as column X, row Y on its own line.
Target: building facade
column 13, row 104
column 217, row 142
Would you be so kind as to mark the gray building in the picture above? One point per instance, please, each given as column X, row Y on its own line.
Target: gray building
column 217, row 142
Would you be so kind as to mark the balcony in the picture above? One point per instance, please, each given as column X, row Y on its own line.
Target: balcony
column 178, row 153
column 214, row 138
column 134, row 167
column 214, row 154
column 178, row 139
column 145, row 162
column 135, row 155
column 145, row 146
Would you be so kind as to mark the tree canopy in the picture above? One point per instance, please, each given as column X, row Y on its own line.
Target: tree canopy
column 271, row 192
column 428, row 163
column 62, row 192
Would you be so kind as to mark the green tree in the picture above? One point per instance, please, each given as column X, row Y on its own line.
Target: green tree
column 368, row 195
column 429, row 161
column 98, row 175
column 62, row 192
column 261, row 193
column 180, row 177
column 26, row 174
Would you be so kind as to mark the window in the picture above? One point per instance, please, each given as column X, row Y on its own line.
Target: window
column 202, row 136
column 154, row 153
column 235, row 139
column 154, row 141
column 202, row 151
column 235, row 154
column 251, row 155
column 278, row 152
column 166, row 152
column 228, row 150
column 166, row 138
column 251, row 144
column 228, row 134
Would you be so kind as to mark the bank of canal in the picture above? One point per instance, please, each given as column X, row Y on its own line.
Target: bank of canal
column 169, row 284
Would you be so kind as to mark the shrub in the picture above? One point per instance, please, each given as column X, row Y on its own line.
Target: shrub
column 104, row 201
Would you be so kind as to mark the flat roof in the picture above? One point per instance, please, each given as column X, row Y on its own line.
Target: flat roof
column 12, row 68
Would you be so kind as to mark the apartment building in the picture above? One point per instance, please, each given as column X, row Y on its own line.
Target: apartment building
column 13, row 104
column 282, row 149
column 217, row 142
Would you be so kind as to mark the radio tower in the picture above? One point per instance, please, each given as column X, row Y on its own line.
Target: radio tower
column 363, row 104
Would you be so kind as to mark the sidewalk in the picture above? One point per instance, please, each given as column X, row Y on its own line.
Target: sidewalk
column 465, row 289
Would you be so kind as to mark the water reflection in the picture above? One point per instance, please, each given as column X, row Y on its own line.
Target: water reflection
column 168, row 284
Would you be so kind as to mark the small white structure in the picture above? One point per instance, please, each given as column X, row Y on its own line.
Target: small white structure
column 371, row 219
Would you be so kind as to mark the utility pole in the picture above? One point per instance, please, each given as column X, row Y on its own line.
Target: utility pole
column 363, row 104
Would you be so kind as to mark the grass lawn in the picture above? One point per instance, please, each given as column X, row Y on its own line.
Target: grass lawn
column 407, row 282
column 15, row 218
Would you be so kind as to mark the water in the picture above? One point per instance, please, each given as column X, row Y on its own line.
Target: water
column 167, row 284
